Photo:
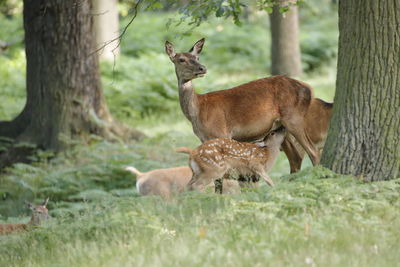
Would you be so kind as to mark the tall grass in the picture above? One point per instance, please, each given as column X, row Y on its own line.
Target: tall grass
column 315, row 218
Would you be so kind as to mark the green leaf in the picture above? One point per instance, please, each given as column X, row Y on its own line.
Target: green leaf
column 284, row 9
column 220, row 12
column 157, row 5
column 238, row 22
column 268, row 9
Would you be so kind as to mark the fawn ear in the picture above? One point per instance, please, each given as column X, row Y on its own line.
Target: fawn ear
column 169, row 49
column 44, row 204
column 197, row 47
column 260, row 143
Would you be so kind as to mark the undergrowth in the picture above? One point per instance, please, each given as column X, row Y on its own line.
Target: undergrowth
column 142, row 81
column 317, row 218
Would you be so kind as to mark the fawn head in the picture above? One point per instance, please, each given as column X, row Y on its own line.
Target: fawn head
column 39, row 212
column 200, row 184
column 187, row 65
column 275, row 138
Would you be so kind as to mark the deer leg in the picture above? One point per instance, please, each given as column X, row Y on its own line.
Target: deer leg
column 248, row 181
column 294, row 153
column 296, row 128
column 311, row 150
column 219, row 184
column 266, row 178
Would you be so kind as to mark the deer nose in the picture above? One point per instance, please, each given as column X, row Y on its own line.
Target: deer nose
column 202, row 68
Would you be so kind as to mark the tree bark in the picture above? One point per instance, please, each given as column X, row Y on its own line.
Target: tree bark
column 365, row 128
column 64, row 95
column 106, row 25
column 285, row 46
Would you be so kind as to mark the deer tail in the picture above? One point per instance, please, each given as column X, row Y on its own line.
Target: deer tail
column 185, row 150
column 133, row 170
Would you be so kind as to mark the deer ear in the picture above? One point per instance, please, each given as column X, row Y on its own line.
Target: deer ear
column 169, row 49
column 44, row 204
column 197, row 47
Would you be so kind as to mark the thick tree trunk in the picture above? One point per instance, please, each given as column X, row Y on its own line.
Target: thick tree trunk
column 365, row 128
column 64, row 94
column 106, row 25
column 285, row 46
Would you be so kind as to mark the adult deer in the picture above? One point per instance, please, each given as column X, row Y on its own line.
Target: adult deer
column 243, row 113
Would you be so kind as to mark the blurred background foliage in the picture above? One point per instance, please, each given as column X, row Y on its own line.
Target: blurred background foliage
column 232, row 54
column 141, row 90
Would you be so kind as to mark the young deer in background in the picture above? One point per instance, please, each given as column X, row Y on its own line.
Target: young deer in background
column 317, row 121
column 245, row 112
column 170, row 181
column 214, row 158
column 39, row 214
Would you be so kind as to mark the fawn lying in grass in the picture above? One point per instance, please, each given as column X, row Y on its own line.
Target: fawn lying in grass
column 171, row 181
column 39, row 214
column 214, row 158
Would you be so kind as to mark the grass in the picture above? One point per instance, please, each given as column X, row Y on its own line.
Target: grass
column 314, row 218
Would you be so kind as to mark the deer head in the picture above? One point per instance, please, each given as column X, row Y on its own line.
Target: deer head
column 39, row 212
column 275, row 138
column 187, row 65
column 200, row 183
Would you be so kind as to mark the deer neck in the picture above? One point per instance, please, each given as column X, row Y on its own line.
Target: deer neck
column 273, row 155
column 188, row 99
column 34, row 221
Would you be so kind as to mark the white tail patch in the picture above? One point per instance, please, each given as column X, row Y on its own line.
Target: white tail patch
column 138, row 187
column 185, row 150
column 138, row 174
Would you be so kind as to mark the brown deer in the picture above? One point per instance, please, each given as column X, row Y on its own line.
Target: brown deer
column 214, row 158
column 39, row 214
column 171, row 181
column 246, row 112
column 316, row 121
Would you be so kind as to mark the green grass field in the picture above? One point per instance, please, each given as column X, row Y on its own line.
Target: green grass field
column 313, row 218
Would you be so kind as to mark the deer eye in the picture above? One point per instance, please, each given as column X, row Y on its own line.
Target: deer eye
column 181, row 60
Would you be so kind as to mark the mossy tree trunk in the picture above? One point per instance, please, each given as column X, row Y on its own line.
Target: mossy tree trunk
column 285, row 45
column 64, row 95
column 364, row 136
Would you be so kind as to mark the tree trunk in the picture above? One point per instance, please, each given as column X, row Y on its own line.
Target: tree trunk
column 364, row 135
column 64, row 94
column 285, row 46
column 106, row 25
